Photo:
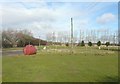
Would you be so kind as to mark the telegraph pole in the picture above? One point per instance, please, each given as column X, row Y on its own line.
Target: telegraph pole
column 72, row 34
column 114, row 39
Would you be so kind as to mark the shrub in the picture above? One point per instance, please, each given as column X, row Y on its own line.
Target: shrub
column 107, row 44
column 90, row 44
column 82, row 43
column 99, row 43
column 67, row 44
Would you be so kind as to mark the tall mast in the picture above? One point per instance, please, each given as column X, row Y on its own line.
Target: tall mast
column 71, row 33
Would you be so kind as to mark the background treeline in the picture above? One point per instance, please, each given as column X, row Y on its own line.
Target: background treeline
column 14, row 38
column 21, row 38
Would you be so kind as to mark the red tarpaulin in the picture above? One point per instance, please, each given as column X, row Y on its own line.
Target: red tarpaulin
column 29, row 50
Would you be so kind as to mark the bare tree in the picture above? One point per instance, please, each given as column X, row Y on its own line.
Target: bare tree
column 10, row 36
column 49, row 36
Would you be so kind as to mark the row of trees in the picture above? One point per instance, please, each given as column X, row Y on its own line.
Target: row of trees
column 93, row 36
column 90, row 44
column 14, row 38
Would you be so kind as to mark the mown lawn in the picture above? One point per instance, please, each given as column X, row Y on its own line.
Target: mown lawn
column 60, row 65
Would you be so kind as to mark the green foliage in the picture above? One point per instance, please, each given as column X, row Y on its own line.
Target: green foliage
column 107, row 44
column 90, row 44
column 99, row 43
column 20, row 43
column 82, row 43
column 6, row 44
column 67, row 44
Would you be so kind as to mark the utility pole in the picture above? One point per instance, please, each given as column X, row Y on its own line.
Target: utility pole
column 114, row 38
column 72, row 34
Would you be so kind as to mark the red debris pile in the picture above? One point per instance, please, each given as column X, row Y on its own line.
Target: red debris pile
column 29, row 50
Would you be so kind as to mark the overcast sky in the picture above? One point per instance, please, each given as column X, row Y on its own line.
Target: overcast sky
column 43, row 17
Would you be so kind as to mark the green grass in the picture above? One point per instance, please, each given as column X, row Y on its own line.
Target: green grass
column 58, row 64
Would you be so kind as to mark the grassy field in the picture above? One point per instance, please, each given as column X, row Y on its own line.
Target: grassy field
column 58, row 64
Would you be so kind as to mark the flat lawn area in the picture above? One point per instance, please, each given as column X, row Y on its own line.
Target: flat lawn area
column 60, row 65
